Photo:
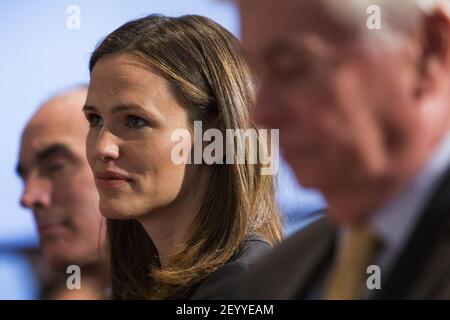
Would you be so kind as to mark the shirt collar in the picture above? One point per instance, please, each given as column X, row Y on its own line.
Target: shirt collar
column 395, row 220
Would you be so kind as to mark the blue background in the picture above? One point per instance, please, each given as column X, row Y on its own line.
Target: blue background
column 39, row 56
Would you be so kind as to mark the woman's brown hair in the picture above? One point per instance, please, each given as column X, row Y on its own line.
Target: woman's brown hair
column 208, row 75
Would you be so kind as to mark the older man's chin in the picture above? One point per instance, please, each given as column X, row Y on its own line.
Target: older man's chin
column 60, row 254
column 314, row 176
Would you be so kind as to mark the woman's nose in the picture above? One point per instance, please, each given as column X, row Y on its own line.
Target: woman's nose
column 106, row 147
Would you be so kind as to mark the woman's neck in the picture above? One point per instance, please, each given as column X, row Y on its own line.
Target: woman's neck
column 169, row 227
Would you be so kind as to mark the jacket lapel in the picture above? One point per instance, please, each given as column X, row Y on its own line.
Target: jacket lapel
column 315, row 256
column 426, row 257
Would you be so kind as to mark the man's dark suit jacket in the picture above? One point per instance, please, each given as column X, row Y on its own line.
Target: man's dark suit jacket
column 421, row 271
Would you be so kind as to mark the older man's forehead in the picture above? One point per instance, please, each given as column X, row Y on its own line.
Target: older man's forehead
column 275, row 23
column 40, row 134
column 57, row 123
column 45, row 130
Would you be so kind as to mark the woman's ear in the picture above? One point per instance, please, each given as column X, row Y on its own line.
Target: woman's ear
column 434, row 62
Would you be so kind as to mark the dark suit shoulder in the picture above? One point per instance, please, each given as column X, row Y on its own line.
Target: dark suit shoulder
column 290, row 264
column 297, row 245
column 220, row 284
column 422, row 270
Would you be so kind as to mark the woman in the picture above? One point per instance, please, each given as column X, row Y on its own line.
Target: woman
column 175, row 231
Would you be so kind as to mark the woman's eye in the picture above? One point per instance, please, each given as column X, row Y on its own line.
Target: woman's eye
column 136, row 122
column 94, row 120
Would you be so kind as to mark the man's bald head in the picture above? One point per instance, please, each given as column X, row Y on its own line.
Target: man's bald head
column 61, row 112
column 59, row 186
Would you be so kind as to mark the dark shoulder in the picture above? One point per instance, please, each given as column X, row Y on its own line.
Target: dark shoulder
column 220, row 284
column 307, row 236
column 251, row 249
column 288, row 262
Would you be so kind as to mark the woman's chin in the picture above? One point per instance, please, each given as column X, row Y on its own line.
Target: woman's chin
column 115, row 211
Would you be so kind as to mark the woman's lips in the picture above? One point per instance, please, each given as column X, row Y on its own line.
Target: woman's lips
column 111, row 183
column 111, row 180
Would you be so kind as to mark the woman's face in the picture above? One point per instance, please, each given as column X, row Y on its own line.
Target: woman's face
column 132, row 114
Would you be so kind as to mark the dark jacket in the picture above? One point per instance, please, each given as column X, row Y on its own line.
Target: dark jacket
column 421, row 271
column 220, row 284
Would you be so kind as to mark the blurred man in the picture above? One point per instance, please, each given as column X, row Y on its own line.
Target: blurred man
column 363, row 108
column 60, row 190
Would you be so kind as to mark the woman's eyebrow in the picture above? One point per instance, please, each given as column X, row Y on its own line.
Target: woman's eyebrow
column 89, row 108
column 116, row 109
column 148, row 109
column 151, row 111
column 122, row 108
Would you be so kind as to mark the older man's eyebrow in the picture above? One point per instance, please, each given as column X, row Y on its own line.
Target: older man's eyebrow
column 53, row 150
column 20, row 170
column 44, row 154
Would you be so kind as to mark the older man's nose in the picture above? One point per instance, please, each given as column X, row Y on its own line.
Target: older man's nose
column 36, row 193
column 106, row 147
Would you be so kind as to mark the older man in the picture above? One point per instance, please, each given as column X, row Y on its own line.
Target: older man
column 361, row 93
column 60, row 190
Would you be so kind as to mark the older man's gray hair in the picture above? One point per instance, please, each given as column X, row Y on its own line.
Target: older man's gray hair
column 398, row 18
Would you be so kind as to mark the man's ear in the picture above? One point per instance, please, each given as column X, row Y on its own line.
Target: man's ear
column 437, row 36
column 435, row 56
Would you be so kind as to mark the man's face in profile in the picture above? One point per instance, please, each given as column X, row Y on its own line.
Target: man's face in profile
column 58, row 184
column 343, row 107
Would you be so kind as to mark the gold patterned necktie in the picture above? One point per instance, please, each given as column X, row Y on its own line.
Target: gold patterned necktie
column 348, row 274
